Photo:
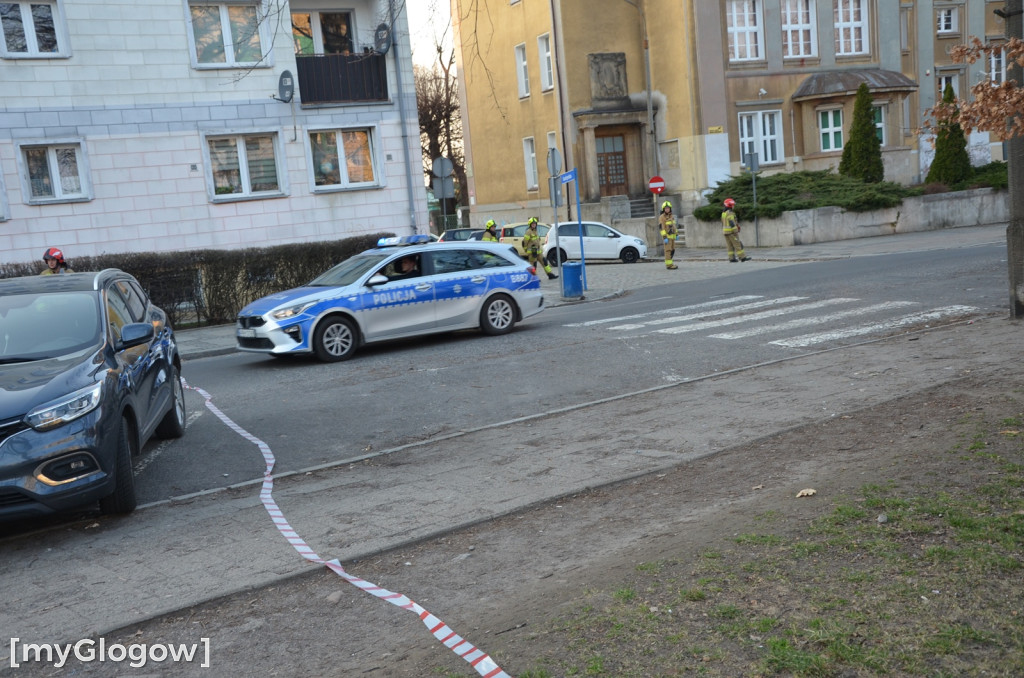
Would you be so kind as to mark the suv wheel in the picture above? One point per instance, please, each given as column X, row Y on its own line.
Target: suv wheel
column 173, row 423
column 122, row 499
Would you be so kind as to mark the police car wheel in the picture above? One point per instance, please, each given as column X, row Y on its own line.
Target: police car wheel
column 498, row 315
column 335, row 339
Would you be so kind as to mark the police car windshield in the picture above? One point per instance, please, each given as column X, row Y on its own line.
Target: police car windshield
column 350, row 270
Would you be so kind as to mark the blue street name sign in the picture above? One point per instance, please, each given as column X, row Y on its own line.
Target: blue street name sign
column 569, row 176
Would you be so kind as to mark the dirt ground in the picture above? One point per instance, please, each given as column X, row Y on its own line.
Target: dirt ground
column 504, row 585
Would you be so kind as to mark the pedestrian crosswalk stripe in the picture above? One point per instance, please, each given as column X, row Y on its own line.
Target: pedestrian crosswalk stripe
column 815, row 320
column 664, row 311
column 811, row 339
column 706, row 314
column 753, row 316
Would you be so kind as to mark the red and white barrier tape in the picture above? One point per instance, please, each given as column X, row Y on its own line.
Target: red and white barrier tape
column 477, row 658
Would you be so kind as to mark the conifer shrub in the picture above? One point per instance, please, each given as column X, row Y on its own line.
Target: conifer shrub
column 862, row 154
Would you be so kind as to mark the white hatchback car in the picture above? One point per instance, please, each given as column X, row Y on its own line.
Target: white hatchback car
column 600, row 241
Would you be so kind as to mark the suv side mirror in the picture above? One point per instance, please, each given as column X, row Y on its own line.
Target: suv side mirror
column 134, row 334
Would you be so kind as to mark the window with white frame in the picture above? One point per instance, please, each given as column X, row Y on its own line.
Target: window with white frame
column 905, row 29
column 951, row 79
column 547, row 75
column 830, row 129
column 997, row 66
column 878, row 114
column 33, row 29
column 226, row 34
column 530, row 161
column 743, row 24
column 55, row 172
column 947, row 20
column 522, row 72
column 342, row 158
column 851, row 22
column 244, row 165
column 761, row 133
column 552, row 144
column 799, row 35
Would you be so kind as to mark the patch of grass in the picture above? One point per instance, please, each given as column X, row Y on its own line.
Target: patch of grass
column 932, row 591
column 759, row 539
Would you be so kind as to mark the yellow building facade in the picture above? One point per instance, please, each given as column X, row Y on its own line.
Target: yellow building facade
column 696, row 91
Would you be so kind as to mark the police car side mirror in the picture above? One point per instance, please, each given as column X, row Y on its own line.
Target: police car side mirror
column 378, row 279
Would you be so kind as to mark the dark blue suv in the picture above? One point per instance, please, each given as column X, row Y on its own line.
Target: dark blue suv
column 89, row 371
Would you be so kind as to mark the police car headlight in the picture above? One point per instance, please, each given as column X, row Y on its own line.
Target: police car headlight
column 66, row 409
column 291, row 311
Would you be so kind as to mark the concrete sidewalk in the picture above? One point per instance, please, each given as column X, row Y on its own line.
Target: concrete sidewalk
column 609, row 279
column 94, row 576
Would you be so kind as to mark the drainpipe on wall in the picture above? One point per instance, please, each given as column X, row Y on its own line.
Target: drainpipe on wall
column 409, row 178
column 652, row 136
column 567, row 149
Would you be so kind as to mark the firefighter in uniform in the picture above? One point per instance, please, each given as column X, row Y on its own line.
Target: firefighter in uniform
column 489, row 233
column 668, row 233
column 731, row 231
column 531, row 245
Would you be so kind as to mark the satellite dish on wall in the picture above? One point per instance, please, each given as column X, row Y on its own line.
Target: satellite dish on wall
column 382, row 39
column 285, row 87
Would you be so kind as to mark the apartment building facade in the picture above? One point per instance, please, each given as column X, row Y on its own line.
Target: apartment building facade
column 185, row 124
column 695, row 92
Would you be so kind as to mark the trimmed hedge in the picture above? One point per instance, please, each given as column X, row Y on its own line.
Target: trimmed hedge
column 209, row 287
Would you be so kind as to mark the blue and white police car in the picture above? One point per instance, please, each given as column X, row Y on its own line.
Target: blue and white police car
column 405, row 287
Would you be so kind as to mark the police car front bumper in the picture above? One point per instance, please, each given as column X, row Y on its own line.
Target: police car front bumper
column 259, row 335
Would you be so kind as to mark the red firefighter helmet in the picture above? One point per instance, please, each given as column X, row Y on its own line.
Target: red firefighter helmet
column 54, row 253
column 729, row 202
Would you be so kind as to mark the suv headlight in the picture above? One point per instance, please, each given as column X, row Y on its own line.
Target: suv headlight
column 66, row 409
column 291, row 311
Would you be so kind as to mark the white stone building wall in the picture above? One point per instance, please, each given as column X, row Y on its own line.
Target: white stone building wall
column 129, row 93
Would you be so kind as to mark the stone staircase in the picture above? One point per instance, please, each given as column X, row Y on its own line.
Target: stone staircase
column 641, row 207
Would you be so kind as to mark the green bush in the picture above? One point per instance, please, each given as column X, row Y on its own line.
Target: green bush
column 805, row 190
column 209, row 287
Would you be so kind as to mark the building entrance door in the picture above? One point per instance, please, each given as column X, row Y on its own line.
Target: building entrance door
column 611, row 165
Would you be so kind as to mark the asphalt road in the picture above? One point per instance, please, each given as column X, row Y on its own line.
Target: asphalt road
column 399, row 393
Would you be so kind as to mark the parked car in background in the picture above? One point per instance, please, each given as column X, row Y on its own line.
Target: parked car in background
column 513, row 235
column 405, row 287
column 457, row 234
column 600, row 241
column 89, row 371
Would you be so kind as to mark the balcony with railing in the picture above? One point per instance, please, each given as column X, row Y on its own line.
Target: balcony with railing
column 340, row 78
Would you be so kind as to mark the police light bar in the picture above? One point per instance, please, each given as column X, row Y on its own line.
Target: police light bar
column 417, row 239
